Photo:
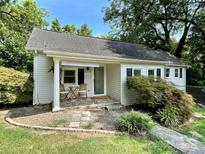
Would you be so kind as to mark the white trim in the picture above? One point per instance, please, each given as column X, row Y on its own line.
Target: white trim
column 70, row 68
column 100, row 58
column 69, row 63
column 35, row 88
column 56, row 89
column 105, row 81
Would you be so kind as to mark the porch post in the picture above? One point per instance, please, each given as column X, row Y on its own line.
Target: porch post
column 56, row 92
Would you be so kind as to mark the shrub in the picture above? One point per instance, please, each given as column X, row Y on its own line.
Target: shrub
column 15, row 87
column 134, row 122
column 173, row 106
column 168, row 116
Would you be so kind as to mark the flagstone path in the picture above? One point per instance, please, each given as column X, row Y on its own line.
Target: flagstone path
column 179, row 141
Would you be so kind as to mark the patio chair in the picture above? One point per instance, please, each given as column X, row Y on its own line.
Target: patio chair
column 83, row 90
column 63, row 94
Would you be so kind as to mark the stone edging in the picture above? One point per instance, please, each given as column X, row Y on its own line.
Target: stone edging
column 8, row 119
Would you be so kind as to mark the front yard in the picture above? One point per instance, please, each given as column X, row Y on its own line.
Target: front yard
column 20, row 140
column 196, row 128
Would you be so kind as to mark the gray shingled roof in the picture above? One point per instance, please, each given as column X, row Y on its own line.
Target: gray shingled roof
column 48, row 40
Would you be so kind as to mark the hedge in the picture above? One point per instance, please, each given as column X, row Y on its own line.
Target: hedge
column 15, row 87
column 172, row 106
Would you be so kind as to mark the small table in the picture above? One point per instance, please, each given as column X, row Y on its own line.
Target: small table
column 73, row 92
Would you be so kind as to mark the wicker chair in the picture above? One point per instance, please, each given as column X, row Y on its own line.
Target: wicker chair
column 63, row 94
column 83, row 90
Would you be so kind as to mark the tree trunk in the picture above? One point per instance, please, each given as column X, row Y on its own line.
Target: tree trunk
column 180, row 46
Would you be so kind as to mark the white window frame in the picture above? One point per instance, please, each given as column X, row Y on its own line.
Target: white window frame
column 72, row 69
column 181, row 73
column 166, row 72
column 139, row 69
column 105, row 81
column 176, row 73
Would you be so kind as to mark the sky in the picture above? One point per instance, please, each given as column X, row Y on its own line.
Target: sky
column 77, row 12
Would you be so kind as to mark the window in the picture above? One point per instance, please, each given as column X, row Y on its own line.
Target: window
column 137, row 72
column 151, row 73
column 176, row 72
column 167, row 72
column 69, row 76
column 158, row 72
column 129, row 72
column 180, row 72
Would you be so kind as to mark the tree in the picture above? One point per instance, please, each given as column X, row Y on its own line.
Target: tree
column 154, row 23
column 56, row 26
column 84, row 30
column 195, row 55
column 69, row 28
column 16, row 23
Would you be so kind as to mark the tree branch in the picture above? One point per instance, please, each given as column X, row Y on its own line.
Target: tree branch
column 12, row 16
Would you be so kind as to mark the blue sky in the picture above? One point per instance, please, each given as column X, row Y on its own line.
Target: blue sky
column 77, row 12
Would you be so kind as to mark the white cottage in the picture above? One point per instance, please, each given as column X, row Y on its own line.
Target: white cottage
column 102, row 64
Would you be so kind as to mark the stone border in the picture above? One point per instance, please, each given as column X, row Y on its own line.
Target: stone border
column 9, row 120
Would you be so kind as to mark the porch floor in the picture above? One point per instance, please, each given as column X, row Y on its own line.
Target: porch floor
column 88, row 102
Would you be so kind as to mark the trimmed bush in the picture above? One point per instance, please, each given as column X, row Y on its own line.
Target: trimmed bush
column 134, row 122
column 15, row 87
column 172, row 106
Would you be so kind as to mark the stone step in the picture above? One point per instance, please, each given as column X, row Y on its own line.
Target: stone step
column 179, row 141
column 114, row 107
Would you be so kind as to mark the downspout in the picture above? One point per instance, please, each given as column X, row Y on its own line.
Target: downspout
column 35, row 80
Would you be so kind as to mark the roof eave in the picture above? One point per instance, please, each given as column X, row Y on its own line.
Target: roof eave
column 62, row 54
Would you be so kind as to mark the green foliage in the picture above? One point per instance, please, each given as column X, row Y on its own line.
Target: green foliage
column 15, row 87
column 84, row 30
column 144, row 87
column 134, row 122
column 17, row 140
column 69, row 29
column 197, row 125
column 55, row 26
column 57, row 123
column 172, row 106
column 16, row 22
column 154, row 23
column 157, row 24
column 168, row 116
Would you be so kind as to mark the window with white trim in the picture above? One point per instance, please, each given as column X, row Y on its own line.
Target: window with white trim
column 151, row 73
column 158, row 72
column 137, row 72
column 167, row 72
column 69, row 76
column 129, row 72
column 176, row 72
column 181, row 72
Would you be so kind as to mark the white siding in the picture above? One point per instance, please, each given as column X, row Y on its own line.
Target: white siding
column 177, row 81
column 128, row 96
column 43, row 80
column 113, row 81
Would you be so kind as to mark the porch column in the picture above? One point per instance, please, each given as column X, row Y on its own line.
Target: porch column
column 56, row 92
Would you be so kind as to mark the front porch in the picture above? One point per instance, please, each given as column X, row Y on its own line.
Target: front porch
column 89, row 103
column 96, row 76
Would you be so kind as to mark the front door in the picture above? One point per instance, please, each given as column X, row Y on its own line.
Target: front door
column 99, row 81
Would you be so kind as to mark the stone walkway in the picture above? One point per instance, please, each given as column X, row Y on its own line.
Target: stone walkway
column 80, row 118
column 179, row 141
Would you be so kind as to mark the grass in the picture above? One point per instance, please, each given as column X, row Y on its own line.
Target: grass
column 87, row 126
column 23, row 141
column 198, row 125
column 57, row 123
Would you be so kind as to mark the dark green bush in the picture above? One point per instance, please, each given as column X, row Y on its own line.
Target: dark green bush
column 15, row 87
column 134, row 122
column 173, row 106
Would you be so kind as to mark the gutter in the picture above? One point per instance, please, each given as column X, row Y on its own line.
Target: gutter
column 104, row 59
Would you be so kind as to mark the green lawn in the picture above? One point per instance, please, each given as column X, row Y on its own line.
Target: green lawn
column 20, row 140
column 198, row 125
